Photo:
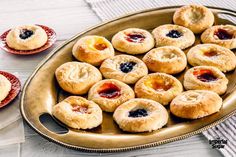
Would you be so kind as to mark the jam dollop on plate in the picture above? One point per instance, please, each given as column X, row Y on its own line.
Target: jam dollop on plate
column 205, row 75
column 25, row 33
column 135, row 37
column 127, row 66
column 109, row 90
column 159, row 86
column 210, row 53
column 138, row 113
column 223, row 34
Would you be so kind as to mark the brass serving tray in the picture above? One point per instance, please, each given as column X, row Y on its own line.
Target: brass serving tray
column 41, row 92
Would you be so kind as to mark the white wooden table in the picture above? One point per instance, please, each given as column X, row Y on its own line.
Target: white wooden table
column 68, row 18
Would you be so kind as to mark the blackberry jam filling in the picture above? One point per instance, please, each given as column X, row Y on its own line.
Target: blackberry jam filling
column 127, row 66
column 138, row 113
column 136, row 38
column 223, row 34
column 205, row 75
column 109, row 90
column 25, row 33
column 81, row 109
column 174, row 34
column 100, row 46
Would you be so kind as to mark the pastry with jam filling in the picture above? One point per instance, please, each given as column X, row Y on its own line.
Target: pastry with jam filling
column 77, row 112
column 173, row 35
column 140, row 115
column 133, row 41
column 125, row 68
column 223, row 35
column 27, row 37
column 212, row 55
column 93, row 49
column 195, row 104
column 205, row 78
column 197, row 18
column 110, row 93
column 166, row 59
column 159, row 87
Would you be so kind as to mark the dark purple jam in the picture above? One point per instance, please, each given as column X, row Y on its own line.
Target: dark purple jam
column 174, row 34
column 138, row 113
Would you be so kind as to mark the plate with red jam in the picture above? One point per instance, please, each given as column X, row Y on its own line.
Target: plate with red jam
column 51, row 34
column 15, row 88
column 41, row 91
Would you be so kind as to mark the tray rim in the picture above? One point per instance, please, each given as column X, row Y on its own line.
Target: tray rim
column 121, row 149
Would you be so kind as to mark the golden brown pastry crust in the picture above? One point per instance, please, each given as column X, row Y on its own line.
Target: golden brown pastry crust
column 79, row 113
column 5, row 87
column 192, row 82
column 120, row 42
column 77, row 77
column 124, row 93
column 166, row 59
column 209, row 36
column 110, row 69
column 93, row 49
column 186, row 39
column 157, row 116
column 159, row 87
column 195, row 17
column 212, row 55
column 36, row 40
column 195, row 104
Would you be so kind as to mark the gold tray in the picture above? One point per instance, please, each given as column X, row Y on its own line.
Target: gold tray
column 41, row 92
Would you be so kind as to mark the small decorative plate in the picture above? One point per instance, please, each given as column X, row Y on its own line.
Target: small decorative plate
column 51, row 40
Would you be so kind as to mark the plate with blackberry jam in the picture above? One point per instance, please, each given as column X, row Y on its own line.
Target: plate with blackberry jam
column 27, row 40
column 41, row 91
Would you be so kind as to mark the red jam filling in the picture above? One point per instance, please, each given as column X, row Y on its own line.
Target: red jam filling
column 160, row 87
column 109, row 90
column 205, row 75
column 223, row 34
column 81, row 109
column 210, row 53
column 100, row 46
column 135, row 37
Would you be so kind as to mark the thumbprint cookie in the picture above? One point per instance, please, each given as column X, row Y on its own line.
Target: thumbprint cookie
column 110, row 93
column 212, row 55
column 140, row 115
column 133, row 41
column 173, row 35
column 223, row 35
column 195, row 17
column 125, row 68
column 205, row 78
column 79, row 113
column 195, row 104
column 93, row 49
column 77, row 77
column 5, row 87
column 166, row 59
column 27, row 37
column 159, row 87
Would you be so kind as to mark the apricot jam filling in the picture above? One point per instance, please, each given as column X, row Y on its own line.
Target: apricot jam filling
column 109, row 90
column 158, row 85
column 205, row 75
column 210, row 53
column 135, row 37
column 80, row 108
column 100, row 46
column 223, row 34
